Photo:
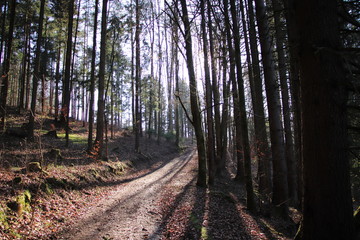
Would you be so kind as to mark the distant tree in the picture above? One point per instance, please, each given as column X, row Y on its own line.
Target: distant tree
column 327, row 207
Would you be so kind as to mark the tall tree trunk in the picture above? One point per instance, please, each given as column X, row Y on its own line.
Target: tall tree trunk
column 208, row 98
column 36, row 74
column 28, row 76
column 3, row 20
column 240, row 174
column 67, row 78
column 195, row 110
column 152, row 76
column 100, row 119
column 43, row 90
column 132, row 69
column 160, row 61
column 177, row 80
column 73, row 89
column 295, row 91
column 261, row 138
column 225, row 110
column 327, row 210
column 137, row 78
column 215, row 91
column 92, row 80
column 51, row 93
column 251, row 205
column 280, row 185
column 289, row 143
column 24, row 63
column 57, row 81
column 6, row 65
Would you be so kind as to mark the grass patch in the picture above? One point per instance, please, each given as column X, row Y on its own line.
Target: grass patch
column 75, row 138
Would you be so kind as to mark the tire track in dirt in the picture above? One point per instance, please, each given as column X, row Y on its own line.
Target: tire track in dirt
column 131, row 212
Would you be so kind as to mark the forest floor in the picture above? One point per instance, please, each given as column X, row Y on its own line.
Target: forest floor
column 151, row 195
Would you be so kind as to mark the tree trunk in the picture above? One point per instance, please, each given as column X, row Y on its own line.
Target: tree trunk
column 137, row 124
column 295, row 91
column 280, row 185
column 225, row 111
column 194, row 101
column 261, row 138
column 36, row 74
column 24, row 64
column 215, row 91
column 6, row 65
column 208, row 98
column 3, row 20
column 160, row 61
column 92, row 80
column 251, row 205
column 100, row 123
column 289, row 143
column 240, row 174
column 64, row 118
column 327, row 209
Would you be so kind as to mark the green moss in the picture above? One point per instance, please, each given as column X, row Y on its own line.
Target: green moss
column 21, row 203
column 116, row 168
column 3, row 219
column 46, row 188
column 34, row 167
column 204, row 233
column 24, row 200
column 357, row 219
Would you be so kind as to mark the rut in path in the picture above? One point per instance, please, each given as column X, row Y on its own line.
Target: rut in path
column 130, row 213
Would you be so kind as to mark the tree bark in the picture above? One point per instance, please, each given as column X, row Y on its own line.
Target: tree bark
column 92, row 80
column 327, row 208
column 289, row 143
column 251, row 204
column 261, row 138
column 280, row 185
column 64, row 118
column 219, row 163
column 100, row 118
column 295, row 91
column 194, row 101
column 208, row 98
column 36, row 74
column 6, row 65
column 24, row 63
column 240, row 173
column 137, row 124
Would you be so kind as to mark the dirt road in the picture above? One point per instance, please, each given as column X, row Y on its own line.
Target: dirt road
column 132, row 212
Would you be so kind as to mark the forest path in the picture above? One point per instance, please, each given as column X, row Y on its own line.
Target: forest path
column 132, row 212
